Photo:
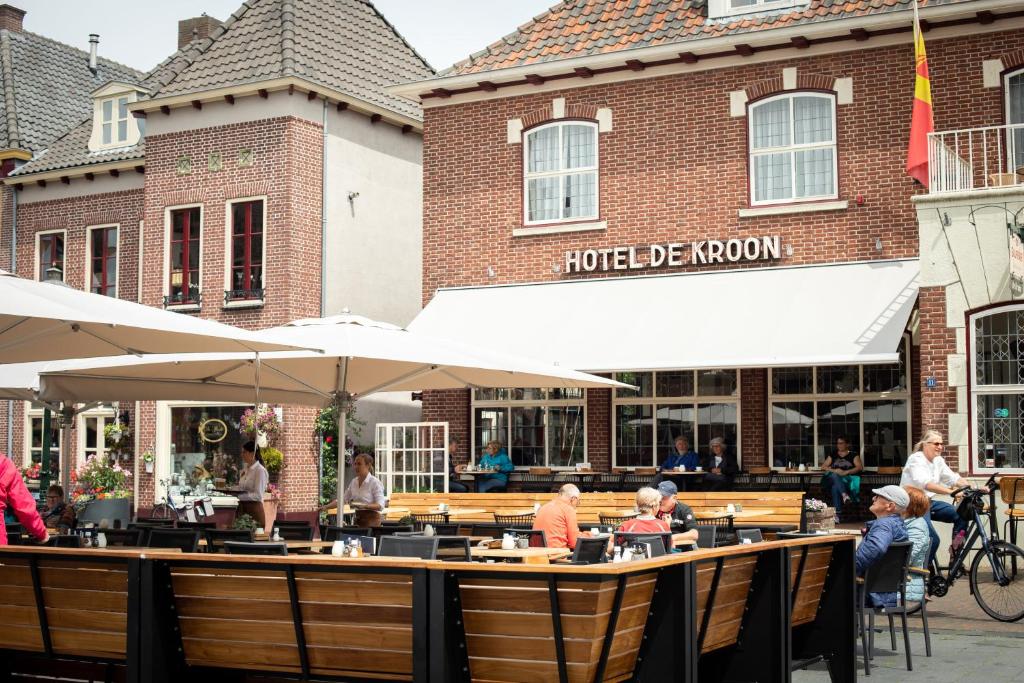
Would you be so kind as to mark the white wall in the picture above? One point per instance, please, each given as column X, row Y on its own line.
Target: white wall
column 375, row 241
column 387, row 406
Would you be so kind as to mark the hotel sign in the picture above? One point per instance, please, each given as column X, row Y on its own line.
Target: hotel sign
column 673, row 254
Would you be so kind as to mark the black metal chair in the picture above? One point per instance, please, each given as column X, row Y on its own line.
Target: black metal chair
column 389, row 529
column 538, row 539
column 292, row 522
column 453, row 548
column 185, row 539
column 216, row 538
column 447, row 529
column 609, row 481
column 294, row 533
column 146, row 527
column 614, row 520
column 706, row 536
column 627, row 537
column 421, row 520
column 489, row 530
column 655, row 542
column 237, row 548
column 423, row 547
column 152, row 521
column 754, row 535
column 590, row 550
column 887, row 575
column 65, row 541
column 524, row 521
column 333, row 533
column 122, row 537
column 367, row 543
column 201, row 526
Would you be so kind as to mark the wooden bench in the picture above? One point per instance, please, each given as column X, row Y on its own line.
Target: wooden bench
column 786, row 506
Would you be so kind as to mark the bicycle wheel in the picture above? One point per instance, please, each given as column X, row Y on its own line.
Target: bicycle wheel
column 1003, row 603
column 163, row 511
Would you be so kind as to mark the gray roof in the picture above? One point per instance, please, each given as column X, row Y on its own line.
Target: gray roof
column 345, row 45
column 46, row 88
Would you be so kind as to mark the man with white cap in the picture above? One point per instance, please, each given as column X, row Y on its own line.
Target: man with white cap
column 887, row 505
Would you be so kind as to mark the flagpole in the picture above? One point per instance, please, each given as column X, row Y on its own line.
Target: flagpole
column 917, row 22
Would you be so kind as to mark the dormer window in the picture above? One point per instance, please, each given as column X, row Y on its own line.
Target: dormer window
column 113, row 125
column 114, row 122
column 719, row 9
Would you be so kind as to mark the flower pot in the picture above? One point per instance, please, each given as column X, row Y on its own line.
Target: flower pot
column 149, row 467
column 270, row 511
column 107, row 511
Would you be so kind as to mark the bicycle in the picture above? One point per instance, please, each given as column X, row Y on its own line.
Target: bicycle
column 167, row 509
column 996, row 579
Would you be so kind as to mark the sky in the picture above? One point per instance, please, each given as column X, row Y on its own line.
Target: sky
column 142, row 33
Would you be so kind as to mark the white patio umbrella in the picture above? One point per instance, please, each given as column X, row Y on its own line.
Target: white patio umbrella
column 361, row 357
column 42, row 321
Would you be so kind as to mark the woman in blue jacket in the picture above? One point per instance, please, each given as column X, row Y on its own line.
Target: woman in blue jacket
column 495, row 457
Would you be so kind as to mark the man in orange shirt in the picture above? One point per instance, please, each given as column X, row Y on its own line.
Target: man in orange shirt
column 558, row 518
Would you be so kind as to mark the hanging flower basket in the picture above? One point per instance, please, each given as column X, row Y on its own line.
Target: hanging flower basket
column 260, row 424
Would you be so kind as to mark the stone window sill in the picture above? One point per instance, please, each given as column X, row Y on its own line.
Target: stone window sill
column 784, row 209
column 555, row 229
column 243, row 303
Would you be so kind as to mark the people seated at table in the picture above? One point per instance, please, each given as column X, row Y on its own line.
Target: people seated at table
column 648, row 502
column 557, row 518
column 720, row 467
column 454, row 485
column 677, row 514
column 918, row 534
column 14, row 496
column 253, row 482
column 364, row 492
column 842, row 475
column 57, row 514
column 681, row 455
column 888, row 505
column 495, row 457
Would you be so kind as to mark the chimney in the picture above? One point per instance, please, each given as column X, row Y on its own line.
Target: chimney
column 195, row 28
column 94, row 42
column 11, row 18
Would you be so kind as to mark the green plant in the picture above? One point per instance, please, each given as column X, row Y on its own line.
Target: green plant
column 97, row 479
column 326, row 428
column 273, row 459
column 244, row 521
column 406, row 521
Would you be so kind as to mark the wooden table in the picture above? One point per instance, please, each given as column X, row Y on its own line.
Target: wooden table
column 476, row 474
column 525, row 555
column 739, row 514
column 349, row 510
column 456, row 512
column 681, row 479
column 583, row 478
column 292, row 545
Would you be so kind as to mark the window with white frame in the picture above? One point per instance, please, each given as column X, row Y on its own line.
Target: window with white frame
column 538, row 427
column 1013, row 87
column 697, row 404
column 92, row 439
column 103, row 260
column 50, row 254
column 729, row 8
column 114, row 121
column 793, row 148
column 34, row 444
column 869, row 405
column 560, row 178
column 997, row 389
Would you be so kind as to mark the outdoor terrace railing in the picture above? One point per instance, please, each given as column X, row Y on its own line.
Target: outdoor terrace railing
column 976, row 158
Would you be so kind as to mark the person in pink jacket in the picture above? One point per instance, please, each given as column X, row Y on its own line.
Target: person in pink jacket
column 14, row 494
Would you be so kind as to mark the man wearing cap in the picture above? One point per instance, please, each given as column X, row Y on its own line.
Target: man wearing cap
column 888, row 504
column 676, row 514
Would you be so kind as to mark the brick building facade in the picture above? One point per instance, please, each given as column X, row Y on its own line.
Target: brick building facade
column 672, row 108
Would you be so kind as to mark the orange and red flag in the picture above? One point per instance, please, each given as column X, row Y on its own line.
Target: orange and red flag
column 921, row 121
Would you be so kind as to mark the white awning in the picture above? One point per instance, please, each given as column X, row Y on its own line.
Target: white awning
column 764, row 317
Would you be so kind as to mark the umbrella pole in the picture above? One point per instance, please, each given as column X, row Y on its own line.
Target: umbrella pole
column 68, row 414
column 341, row 401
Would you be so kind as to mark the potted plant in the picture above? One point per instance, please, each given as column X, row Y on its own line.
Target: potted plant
column 273, row 460
column 148, row 459
column 118, row 437
column 244, row 521
column 261, row 424
column 271, row 501
column 102, row 492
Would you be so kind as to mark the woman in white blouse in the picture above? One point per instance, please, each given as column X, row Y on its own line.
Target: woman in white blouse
column 365, row 492
column 253, row 483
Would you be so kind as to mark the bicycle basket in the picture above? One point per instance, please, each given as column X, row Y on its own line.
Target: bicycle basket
column 967, row 506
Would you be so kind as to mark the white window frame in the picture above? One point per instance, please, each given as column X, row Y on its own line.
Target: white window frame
column 792, row 149
column 821, row 450
column 166, row 286
column 115, row 119
column 1011, row 163
column 247, row 303
column 977, row 390
column 117, row 258
column 35, row 261
column 696, row 400
column 29, row 413
column 104, row 416
column 724, row 8
column 508, row 405
column 527, row 176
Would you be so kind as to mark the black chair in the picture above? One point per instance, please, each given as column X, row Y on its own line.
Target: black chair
column 333, row 533
column 488, row 530
column 368, row 543
column 294, row 533
column 654, row 542
column 627, row 537
column 185, row 539
column 706, row 536
column 216, row 538
column 201, row 526
column 146, row 527
column 238, row 548
column 456, row 547
column 152, row 521
column 614, row 521
column 122, row 537
column 447, row 529
column 511, row 521
column 423, row 547
column 611, row 481
column 292, row 522
column 887, row 575
column 389, row 529
column 538, row 539
column 421, row 520
column 754, row 535
column 65, row 541
column 589, row 550
column 15, row 534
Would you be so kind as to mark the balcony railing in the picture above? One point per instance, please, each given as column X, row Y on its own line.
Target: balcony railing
column 976, row 158
column 192, row 298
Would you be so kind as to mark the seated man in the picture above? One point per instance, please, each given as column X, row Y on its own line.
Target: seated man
column 678, row 515
column 454, row 485
column 558, row 518
column 681, row 455
column 721, row 467
column 58, row 514
column 888, row 505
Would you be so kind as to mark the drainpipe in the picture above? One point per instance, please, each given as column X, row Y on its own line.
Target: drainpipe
column 323, row 218
column 14, row 271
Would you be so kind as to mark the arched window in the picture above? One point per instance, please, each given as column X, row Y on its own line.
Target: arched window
column 793, row 148
column 1013, row 87
column 560, row 173
column 997, row 389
